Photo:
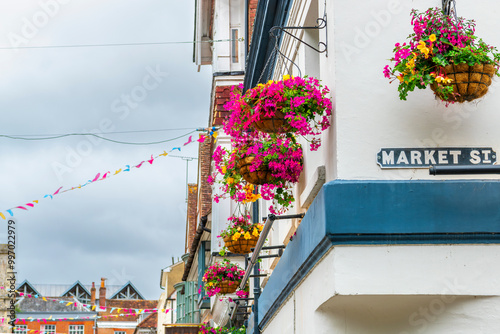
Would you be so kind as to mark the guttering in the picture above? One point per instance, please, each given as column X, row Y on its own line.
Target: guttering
column 457, row 170
column 194, row 246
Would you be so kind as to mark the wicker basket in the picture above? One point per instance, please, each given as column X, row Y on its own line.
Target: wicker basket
column 228, row 287
column 274, row 124
column 240, row 246
column 260, row 176
column 469, row 82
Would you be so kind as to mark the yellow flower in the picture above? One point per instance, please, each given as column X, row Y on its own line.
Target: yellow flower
column 400, row 78
column 255, row 232
column 432, row 38
column 224, row 169
column 236, row 236
column 247, row 236
column 286, row 77
column 230, row 180
column 270, row 82
column 423, row 48
column 260, row 227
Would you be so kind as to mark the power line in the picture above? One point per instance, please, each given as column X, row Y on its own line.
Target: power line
column 117, row 44
column 102, row 133
column 97, row 136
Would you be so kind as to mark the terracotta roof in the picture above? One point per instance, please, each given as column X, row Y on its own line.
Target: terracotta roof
column 222, row 95
column 126, row 304
column 151, row 321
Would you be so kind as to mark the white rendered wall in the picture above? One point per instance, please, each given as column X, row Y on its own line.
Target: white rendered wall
column 396, row 290
column 228, row 14
column 369, row 114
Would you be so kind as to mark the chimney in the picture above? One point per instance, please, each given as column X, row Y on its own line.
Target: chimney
column 102, row 293
column 92, row 294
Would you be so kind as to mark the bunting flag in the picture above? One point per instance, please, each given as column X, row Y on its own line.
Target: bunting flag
column 96, row 178
column 50, row 318
column 88, row 307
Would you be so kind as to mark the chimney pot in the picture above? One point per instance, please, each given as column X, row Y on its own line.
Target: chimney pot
column 92, row 294
column 102, row 293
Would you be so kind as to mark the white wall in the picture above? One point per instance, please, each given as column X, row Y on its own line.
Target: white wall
column 369, row 114
column 396, row 290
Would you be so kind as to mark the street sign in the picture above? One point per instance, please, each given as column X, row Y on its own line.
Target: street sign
column 438, row 156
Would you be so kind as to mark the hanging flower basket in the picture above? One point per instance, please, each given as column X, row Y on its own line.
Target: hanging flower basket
column 241, row 234
column 222, row 278
column 241, row 245
column 271, row 162
column 468, row 82
column 293, row 105
column 227, row 287
column 443, row 53
column 258, row 177
column 275, row 123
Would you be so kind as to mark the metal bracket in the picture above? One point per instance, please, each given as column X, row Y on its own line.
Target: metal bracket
column 321, row 24
column 450, row 8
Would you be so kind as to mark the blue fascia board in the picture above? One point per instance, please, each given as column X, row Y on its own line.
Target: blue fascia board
column 366, row 212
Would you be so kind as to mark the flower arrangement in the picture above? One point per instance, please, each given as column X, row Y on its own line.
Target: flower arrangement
column 439, row 53
column 222, row 277
column 272, row 161
column 241, row 235
column 206, row 329
column 241, row 227
column 294, row 105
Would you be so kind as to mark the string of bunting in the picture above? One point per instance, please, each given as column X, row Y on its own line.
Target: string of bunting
column 50, row 318
column 102, row 176
column 89, row 307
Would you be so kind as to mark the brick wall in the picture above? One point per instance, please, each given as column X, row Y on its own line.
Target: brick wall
column 192, row 213
column 62, row 326
column 205, row 159
column 252, row 9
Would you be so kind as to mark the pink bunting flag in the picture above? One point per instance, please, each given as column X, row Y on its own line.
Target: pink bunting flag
column 96, row 177
column 151, row 160
column 201, row 139
column 139, row 165
column 190, row 140
column 57, row 191
column 30, row 204
column 21, row 207
column 105, row 175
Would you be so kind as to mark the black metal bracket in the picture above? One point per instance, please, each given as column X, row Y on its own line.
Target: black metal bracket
column 206, row 229
column 450, row 8
column 260, row 275
column 321, row 24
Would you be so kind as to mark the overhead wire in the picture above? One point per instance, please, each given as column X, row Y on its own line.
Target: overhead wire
column 97, row 136
column 117, row 44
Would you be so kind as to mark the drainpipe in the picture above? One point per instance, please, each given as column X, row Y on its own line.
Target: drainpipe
column 194, row 246
column 247, row 12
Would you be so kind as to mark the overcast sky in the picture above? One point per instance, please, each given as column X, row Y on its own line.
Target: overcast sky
column 127, row 227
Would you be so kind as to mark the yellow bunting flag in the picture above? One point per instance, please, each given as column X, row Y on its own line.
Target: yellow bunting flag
column 2, row 215
column 164, row 154
column 68, row 304
column 215, row 134
column 93, row 307
column 35, row 201
column 118, row 171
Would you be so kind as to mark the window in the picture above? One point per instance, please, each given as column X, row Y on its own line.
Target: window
column 49, row 329
column 75, row 329
column 21, row 329
column 234, row 45
column 119, row 332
